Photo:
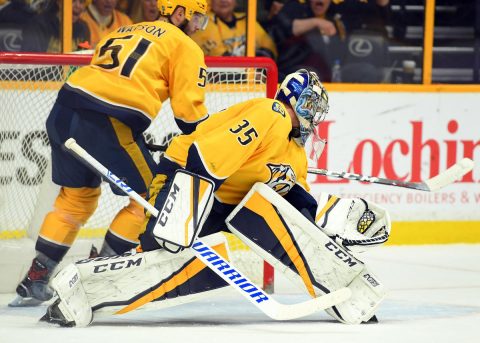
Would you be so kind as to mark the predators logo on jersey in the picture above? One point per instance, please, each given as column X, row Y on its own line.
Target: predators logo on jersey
column 282, row 178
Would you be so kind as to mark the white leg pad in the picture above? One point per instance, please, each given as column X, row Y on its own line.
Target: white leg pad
column 120, row 284
column 297, row 248
column 367, row 293
column 74, row 303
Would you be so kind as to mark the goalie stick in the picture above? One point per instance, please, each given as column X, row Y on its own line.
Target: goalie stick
column 220, row 266
column 433, row 184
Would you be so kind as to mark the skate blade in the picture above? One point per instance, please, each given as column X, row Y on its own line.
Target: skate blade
column 24, row 302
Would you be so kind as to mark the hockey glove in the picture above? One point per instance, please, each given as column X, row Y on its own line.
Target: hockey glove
column 357, row 224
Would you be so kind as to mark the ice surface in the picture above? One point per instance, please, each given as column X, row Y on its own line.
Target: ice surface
column 434, row 296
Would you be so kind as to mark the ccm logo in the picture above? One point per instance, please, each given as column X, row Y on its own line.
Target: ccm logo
column 168, row 207
column 371, row 280
column 117, row 265
column 341, row 254
column 73, row 281
column 104, row 258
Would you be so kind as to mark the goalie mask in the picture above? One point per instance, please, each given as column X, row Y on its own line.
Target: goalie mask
column 195, row 10
column 305, row 93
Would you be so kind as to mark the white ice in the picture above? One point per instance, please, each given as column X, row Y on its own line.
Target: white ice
column 434, row 296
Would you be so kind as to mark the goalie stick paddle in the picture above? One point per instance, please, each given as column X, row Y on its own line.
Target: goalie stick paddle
column 449, row 176
column 218, row 264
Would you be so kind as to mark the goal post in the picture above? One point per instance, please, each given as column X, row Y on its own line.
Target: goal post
column 29, row 83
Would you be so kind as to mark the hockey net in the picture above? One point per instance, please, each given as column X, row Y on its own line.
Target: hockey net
column 28, row 87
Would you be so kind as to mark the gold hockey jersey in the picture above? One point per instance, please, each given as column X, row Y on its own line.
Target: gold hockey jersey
column 246, row 143
column 137, row 67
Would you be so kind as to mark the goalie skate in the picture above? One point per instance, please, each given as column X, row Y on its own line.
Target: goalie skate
column 55, row 316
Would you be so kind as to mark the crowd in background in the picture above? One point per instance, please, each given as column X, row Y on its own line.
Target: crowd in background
column 330, row 37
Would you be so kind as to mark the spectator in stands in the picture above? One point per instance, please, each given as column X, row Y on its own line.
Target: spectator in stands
column 20, row 11
column 127, row 6
column 270, row 10
column 14, row 14
column 306, row 37
column 365, row 54
column 102, row 18
column 144, row 10
column 363, row 14
column 266, row 10
column 225, row 34
column 43, row 33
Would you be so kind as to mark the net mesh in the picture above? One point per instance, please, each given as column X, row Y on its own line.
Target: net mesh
column 27, row 93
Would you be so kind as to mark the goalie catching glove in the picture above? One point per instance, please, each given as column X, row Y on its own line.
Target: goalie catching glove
column 356, row 224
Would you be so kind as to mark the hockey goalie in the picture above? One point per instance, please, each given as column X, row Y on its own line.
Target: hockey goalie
column 244, row 170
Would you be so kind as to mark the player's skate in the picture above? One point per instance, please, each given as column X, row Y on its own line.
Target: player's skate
column 34, row 288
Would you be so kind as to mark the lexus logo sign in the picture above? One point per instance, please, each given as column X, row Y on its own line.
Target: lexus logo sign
column 11, row 40
column 360, row 47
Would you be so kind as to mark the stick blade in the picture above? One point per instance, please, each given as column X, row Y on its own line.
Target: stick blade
column 287, row 312
column 452, row 174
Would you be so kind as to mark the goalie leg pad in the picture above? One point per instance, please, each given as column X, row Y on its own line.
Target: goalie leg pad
column 120, row 284
column 73, row 305
column 282, row 236
column 367, row 293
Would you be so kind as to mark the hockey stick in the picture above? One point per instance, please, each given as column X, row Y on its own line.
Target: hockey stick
column 435, row 183
column 220, row 266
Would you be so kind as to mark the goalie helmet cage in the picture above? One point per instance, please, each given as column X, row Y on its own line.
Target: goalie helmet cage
column 29, row 83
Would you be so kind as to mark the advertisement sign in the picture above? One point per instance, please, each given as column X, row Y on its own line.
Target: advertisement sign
column 405, row 136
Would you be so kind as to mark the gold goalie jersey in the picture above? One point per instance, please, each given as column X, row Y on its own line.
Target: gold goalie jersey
column 137, row 67
column 246, row 143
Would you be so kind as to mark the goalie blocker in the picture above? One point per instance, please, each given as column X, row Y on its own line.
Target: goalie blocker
column 299, row 249
column 185, row 208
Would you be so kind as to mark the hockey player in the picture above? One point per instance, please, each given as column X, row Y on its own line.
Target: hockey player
column 107, row 106
column 252, row 156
